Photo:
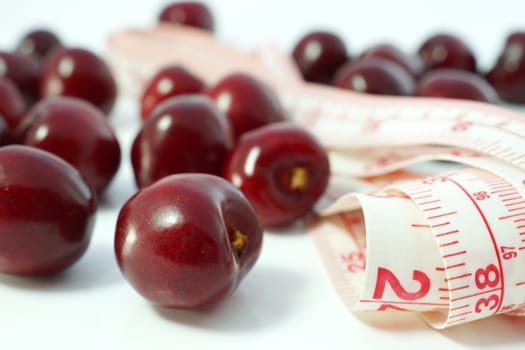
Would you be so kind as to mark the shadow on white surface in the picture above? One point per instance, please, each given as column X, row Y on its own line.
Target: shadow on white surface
column 266, row 298
column 392, row 321
column 491, row 332
column 96, row 269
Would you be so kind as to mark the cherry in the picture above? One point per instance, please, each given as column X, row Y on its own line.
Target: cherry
column 23, row 71
column 375, row 76
column 188, row 13
column 46, row 212
column 247, row 102
column 508, row 74
column 79, row 73
column 170, row 81
column 318, row 55
column 38, row 43
column 185, row 134
column 12, row 105
column 391, row 53
column 447, row 51
column 282, row 169
column 455, row 83
column 187, row 241
column 77, row 132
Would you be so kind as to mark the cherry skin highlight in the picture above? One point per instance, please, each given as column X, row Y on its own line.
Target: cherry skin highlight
column 169, row 82
column 247, row 102
column 455, row 83
column 38, row 43
column 79, row 73
column 188, row 13
column 185, row 134
column 508, row 73
column 46, row 212
column 77, row 132
column 12, row 105
column 319, row 55
column 187, row 240
column 24, row 72
column 447, row 51
column 375, row 76
column 282, row 169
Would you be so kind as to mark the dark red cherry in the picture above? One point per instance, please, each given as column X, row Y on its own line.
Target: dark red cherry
column 12, row 105
column 79, row 73
column 189, row 13
column 169, row 82
column 375, row 76
column 508, row 74
column 391, row 53
column 247, row 102
column 38, row 43
column 79, row 133
column 24, row 72
column 456, row 83
column 185, row 134
column 187, row 241
column 282, row 169
column 46, row 212
column 319, row 55
column 447, row 51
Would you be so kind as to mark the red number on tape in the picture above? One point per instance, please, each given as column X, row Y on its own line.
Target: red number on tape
column 508, row 252
column 355, row 261
column 385, row 276
column 487, row 277
column 490, row 302
column 481, row 195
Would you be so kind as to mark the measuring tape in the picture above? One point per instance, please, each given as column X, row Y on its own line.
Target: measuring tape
column 451, row 246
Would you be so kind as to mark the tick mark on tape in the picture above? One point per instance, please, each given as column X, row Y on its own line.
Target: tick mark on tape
column 448, row 244
column 429, row 202
column 447, row 233
column 441, row 224
column 460, row 307
column 433, row 208
column 475, row 294
column 458, row 277
column 511, row 216
column 461, row 314
column 441, row 215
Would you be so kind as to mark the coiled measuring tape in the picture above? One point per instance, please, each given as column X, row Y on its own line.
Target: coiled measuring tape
column 451, row 245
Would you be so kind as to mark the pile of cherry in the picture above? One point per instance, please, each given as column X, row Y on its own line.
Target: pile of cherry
column 214, row 165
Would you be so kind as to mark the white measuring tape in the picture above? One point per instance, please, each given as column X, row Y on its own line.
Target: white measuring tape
column 451, row 246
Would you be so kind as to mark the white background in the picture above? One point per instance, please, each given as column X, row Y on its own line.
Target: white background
column 287, row 300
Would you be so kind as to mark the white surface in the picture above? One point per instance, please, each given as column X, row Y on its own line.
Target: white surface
column 287, row 300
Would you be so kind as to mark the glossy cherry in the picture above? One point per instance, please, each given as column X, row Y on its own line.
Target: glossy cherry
column 247, row 102
column 391, row 53
column 185, row 134
column 375, row 76
column 319, row 55
column 447, row 51
column 24, row 72
column 189, row 13
column 282, row 169
column 170, row 81
column 79, row 73
column 46, row 212
column 77, row 132
column 38, row 43
column 508, row 74
column 187, row 241
column 12, row 105
column 455, row 83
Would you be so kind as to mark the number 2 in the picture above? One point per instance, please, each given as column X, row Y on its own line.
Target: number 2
column 385, row 276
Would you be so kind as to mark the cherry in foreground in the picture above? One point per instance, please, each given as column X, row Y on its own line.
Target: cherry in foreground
column 77, row 132
column 247, row 103
column 187, row 240
column 79, row 73
column 46, row 212
column 282, row 169
column 184, row 134
column 170, row 81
